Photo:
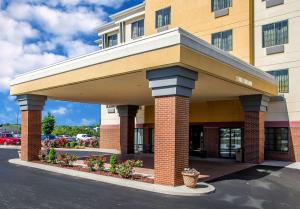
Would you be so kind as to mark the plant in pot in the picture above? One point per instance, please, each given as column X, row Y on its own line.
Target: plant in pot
column 190, row 177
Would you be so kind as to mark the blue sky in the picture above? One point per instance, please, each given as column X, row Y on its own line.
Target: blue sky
column 36, row 33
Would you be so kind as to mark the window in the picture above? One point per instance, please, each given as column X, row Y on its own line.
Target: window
column 277, row 139
column 275, row 34
column 230, row 142
column 137, row 29
column 223, row 40
column 220, row 4
column 163, row 17
column 112, row 40
column 282, row 76
column 138, row 140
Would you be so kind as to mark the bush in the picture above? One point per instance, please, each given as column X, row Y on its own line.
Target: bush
column 43, row 154
column 113, row 163
column 135, row 163
column 95, row 163
column 73, row 144
column 93, row 143
column 60, row 143
column 66, row 159
column 51, row 155
column 125, row 169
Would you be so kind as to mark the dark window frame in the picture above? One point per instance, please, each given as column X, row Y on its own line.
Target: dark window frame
column 112, row 35
column 274, row 26
column 272, row 141
column 165, row 11
column 229, row 4
column 138, row 22
column 222, row 34
column 284, row 85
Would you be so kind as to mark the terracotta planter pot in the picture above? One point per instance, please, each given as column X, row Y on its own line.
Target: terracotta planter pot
column 190, row 179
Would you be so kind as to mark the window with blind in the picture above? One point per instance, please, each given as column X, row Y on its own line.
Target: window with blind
column 163, row 17
column 277, row 139
column 112, row 40
column 283, row 78
column 137, row 29
column 223, row 40
column 220, row 4
column 275, row 34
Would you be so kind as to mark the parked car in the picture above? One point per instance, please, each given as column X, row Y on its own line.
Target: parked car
column 9, row 139
column 67, row 137
column 83, row 137
column 48, row 137
column 17, row 136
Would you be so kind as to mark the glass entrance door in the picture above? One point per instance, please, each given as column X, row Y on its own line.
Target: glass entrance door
column 230, row 141
column 196, row 140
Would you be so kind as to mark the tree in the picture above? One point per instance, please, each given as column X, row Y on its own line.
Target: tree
column 48, row 124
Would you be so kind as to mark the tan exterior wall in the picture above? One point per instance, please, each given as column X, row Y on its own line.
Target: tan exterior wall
column 197, row 18
column 215, row 111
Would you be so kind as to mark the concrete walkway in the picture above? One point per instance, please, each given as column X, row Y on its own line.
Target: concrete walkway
column 201, row 189
column 284, row 164
column 87, row 149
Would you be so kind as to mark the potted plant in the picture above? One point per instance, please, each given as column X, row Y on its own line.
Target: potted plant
column 190, row 177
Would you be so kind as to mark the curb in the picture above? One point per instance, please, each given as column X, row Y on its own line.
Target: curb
column 202, row 188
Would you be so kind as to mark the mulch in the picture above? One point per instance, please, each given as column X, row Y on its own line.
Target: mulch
column 102, row 173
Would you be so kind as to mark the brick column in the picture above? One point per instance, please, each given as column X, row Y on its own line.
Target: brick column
column 255, row 107
column 172, row 89
column 127, row 115
column 31, row 107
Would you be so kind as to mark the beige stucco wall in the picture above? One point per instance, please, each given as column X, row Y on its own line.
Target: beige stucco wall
column 197, row 18
column 289, row 110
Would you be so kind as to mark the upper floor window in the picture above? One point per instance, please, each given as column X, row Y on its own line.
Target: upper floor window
column 112, row 40
column 275, row 34
column 282, row 76
column 223, row 40
column 163, row 17
column 277, row 139
column 220, row 4
column 137, row 29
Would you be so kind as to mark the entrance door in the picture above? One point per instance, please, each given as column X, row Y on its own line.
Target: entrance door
column 230, row 141
column 196, row 140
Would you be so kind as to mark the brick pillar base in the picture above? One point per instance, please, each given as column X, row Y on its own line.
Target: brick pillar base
column 127, row 125
column 127, row 115
column 31, row 135
column 171, row 154
column 254, row 139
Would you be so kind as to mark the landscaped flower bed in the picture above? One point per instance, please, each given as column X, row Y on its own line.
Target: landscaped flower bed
column 64, row 143
column 95, row 165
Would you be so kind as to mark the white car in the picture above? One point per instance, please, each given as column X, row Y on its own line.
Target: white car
column 83, row 137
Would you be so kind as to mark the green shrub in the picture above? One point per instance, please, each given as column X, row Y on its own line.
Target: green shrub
column 73, row 144
column 125, row 169
column 113, row 163
column 138, row 163
column 95, row 163
column 51, row 155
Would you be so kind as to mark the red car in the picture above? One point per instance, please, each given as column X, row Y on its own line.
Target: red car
column 9, row 139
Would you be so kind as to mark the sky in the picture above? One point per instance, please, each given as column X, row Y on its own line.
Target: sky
column 36, row 33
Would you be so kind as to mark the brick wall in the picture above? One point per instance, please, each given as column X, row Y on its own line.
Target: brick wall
column 254, row 137
column 110, row 137
column 171, row 139
column 31, row 135
column 211, row 141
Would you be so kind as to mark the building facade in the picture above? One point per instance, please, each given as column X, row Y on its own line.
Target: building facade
column 277, row 25
column 238, row 27
column 175, row 78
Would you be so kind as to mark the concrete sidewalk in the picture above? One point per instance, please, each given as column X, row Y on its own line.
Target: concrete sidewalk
column 87, row 149
column 201, row 189
column 284, row 164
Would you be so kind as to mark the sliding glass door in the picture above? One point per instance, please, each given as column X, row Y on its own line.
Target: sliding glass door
column 230, row 141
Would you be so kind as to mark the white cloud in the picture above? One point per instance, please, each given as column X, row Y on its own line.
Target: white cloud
column 33, row 30
column 59, row 111
column 87, row 122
